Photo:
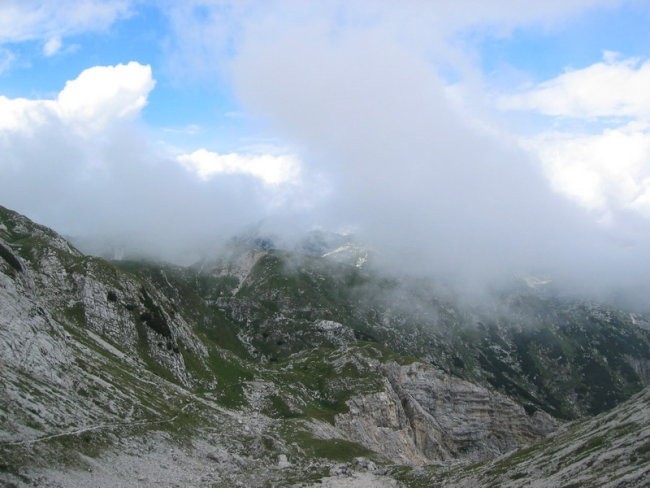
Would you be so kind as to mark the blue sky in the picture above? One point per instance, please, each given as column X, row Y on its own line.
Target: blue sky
column 531, row 52
column 449, row 122
column 179, row 100
column 579, row 41
column 201, row 99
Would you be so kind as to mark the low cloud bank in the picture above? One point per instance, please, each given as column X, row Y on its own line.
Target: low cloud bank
column 383, row 145
column 83, row 164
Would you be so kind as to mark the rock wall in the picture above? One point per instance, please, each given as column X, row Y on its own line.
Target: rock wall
column 423, row 415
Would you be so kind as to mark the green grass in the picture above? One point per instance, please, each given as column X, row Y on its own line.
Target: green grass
column 592, row 444
column 278, row 408
column 323, row 388
column 143, row 352
column 333, row 449
column 642, row 453
column 512, row 461
column 231, row 377
column 76, row 314
column 189, row 292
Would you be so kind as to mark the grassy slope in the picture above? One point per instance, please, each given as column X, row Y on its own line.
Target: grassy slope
column 567, row 358
column 569, row 355
column 611, row 449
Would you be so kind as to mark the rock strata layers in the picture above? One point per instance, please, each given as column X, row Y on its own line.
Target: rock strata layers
column 423, row 415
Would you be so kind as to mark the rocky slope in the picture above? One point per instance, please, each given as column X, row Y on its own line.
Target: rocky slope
column 609, row 450
column 566, row 357
column 268, row 368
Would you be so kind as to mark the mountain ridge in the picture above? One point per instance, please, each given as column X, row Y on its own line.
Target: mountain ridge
column 278, row 369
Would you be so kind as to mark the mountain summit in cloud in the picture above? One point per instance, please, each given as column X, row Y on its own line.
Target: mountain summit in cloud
column 333, row 243
column 442, row 134
column 263, row 365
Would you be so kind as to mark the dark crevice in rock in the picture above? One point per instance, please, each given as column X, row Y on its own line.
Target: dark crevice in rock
column 154, row 317
column 12, row 260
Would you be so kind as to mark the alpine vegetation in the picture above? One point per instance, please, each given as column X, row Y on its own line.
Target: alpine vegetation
column 328, row 243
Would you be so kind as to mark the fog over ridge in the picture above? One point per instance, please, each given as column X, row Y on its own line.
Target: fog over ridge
column 417, row 162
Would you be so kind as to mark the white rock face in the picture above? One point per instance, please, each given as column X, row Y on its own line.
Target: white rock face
column 93, row 357
column 357, row 480
column 77, row 290
column 65, row 320
column 610, row 450
column 378, row 422
column 283, row 462
column 425, row 415
column 334, row 332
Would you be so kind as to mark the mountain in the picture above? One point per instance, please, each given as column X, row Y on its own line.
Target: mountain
column 565, row 357
column 611, row 449
column 270, row 367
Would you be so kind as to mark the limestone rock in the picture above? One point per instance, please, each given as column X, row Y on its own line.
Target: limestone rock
column 423, row 415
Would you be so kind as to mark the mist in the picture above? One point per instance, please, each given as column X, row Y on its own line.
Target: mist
column 393, row 148
column 437, row 185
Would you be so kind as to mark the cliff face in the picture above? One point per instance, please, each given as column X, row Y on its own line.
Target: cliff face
column 566, row 357
column 65, row 291
column 259, row 368
column 422, row 415
column 609, row 450
column 73, row 331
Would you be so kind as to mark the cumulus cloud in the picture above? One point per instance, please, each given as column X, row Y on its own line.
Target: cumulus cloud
column 96, row 98
column 83, row 164
column 614, row 87
column 105, row 93
column 604, row 172
column 604, row 169
column 271, row 169
column 598, row 155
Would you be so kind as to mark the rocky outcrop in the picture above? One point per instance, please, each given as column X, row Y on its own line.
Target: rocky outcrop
column 70, row 291
column 610, row 450
column 114, row 373
column 423, row 414
column 379, row 422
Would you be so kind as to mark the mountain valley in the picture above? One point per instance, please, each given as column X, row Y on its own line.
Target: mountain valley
column 263, row 366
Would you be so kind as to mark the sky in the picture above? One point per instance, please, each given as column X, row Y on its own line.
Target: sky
column 474, row 140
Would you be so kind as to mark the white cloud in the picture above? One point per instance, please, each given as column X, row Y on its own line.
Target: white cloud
column 613, row 87
column 105, row 93
column 97, row 98
column 271, row 169
column 605, row 172
column 52, row 46
column 27, row 20
column 359, row 88
column 20, row 114
column 207, row 33
column 80, row 164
